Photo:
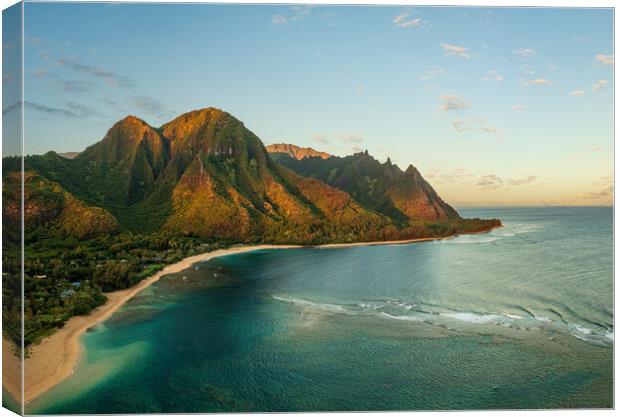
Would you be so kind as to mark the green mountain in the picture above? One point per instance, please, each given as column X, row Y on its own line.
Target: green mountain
column 48, row 204
column 401, row 195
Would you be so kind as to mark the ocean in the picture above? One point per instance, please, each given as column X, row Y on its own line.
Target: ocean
column 517, row 318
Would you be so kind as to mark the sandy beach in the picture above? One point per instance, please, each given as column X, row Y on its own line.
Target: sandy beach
column 55, row 358
column 383, row 242
column 11, row 369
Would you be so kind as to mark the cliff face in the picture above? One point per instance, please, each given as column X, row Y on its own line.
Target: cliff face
column 129, row 159
column 296, row 152
column 230, row 188
column 403, row 196
column 205, row 174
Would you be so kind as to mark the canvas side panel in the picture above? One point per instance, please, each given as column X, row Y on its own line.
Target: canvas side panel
column 12, row 209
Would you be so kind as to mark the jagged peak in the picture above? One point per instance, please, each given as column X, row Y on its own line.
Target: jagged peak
column 392, row 166
column 411, row 170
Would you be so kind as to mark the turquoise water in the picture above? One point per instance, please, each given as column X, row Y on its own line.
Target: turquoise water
column 10, row 403
column 521, row 317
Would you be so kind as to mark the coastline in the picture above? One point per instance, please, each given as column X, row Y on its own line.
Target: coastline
column 56, row 357
column 11, row 369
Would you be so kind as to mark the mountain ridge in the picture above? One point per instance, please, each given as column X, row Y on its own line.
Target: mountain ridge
column 295, row 151
column 205, row 174
column 384, row 187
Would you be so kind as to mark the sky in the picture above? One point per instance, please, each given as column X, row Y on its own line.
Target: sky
column 494, row 106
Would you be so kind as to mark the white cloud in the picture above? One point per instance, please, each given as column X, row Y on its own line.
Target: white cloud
column 404, row 20
column 549, row 65
column 474, row 125
column 348, row 140
column 605, row 59
column 297, row 13
column 455, row 50
column 538, row 81
column 525, row 52
column 152, row 107
column 527, row 68
column 493, row 75
column 360, row 88
column 461, row 175
column 351, row 137
column 577, row 93
column 522, row 181
column 279, row 19
column 40, row 72
column 321, row 139
column 490, row 181
column 453, row 103
column 109, row 77
column 432, row 73
column 494, row 181
column 604, row 196
column 519, row 107
column 599, row 84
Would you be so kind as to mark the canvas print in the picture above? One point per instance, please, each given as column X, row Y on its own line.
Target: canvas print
column 294, row 208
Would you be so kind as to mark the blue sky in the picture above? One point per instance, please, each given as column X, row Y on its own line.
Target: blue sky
column 493, row 105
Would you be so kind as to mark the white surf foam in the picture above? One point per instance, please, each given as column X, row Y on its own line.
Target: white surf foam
column 404, row 318
column 406, row 306
column 579, row 331
column 309, row 304
column 468, row 239
column 474, row 318
column 583, row 329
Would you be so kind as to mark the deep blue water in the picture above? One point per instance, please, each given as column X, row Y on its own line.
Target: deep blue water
column 521, row 317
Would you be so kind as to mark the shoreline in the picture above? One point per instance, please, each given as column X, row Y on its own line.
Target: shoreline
column 56, row 357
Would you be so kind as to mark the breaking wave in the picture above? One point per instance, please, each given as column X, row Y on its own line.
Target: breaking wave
column 600, row 335
column 506, row 231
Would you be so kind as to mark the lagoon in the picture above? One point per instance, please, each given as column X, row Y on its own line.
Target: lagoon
column 520, row 317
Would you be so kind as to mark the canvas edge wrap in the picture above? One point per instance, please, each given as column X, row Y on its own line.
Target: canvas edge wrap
column 13, row 231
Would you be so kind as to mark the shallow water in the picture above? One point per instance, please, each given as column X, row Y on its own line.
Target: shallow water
column 521, row 317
